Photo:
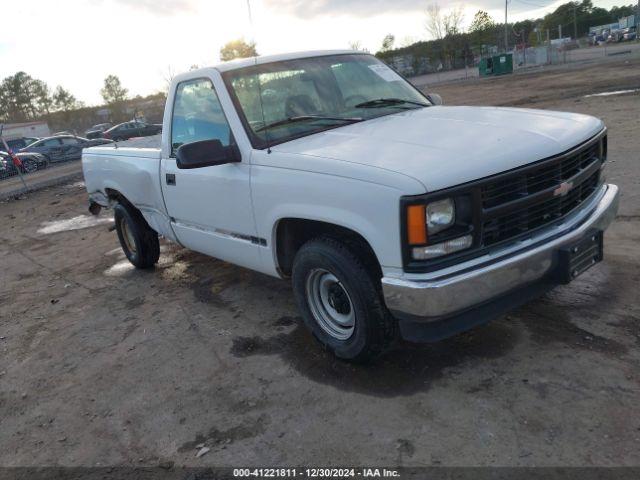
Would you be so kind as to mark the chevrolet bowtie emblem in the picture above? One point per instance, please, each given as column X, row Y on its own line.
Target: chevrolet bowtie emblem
column 563, row 189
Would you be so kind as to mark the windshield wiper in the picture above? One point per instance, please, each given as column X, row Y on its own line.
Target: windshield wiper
column 387, row 102
column 303, row 118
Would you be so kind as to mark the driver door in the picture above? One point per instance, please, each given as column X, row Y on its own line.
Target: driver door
column 53, row 149
column 71, row 148
column 209, row 207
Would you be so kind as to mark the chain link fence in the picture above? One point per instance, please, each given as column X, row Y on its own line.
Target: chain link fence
column 451, row 65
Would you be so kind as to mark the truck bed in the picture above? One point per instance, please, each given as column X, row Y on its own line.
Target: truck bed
column 146, row 147
column 130, row 168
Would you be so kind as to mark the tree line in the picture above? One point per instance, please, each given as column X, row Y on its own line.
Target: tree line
column 453, row 47
column 24, row 98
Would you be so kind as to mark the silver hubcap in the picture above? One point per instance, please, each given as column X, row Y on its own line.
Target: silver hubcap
column 330, row 304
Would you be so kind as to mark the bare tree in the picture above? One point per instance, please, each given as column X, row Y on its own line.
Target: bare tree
column 452, row 21
column 167, row 76
column 439, row 24
column 357, row 45
column 408, row 41
column 434, row 22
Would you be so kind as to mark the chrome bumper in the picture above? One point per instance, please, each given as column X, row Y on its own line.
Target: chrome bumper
column 434, row 296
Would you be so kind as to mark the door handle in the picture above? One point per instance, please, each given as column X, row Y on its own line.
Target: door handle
column 171, row 178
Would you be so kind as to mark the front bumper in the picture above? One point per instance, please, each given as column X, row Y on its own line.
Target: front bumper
column 496, row 281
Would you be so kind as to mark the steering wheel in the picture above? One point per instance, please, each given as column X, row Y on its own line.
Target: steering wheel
column 353, row 100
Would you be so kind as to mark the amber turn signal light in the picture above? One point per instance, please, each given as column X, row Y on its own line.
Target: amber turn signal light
column 416, row 225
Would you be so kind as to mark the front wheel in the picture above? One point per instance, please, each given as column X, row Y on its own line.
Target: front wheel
column 340, row 300
column 29, row 165
column 138, row 240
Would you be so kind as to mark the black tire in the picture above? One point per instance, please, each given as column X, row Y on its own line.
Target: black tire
column 29, row 165
column 138, row 240
column 374, row 328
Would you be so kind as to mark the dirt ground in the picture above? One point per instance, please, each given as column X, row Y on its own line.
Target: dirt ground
column 101, row 364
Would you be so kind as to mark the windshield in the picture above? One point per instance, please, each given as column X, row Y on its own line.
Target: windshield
column 308, row 95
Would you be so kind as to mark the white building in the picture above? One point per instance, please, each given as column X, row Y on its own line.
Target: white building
column 29, row 129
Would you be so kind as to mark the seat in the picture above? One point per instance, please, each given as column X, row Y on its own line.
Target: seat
column 297, row 105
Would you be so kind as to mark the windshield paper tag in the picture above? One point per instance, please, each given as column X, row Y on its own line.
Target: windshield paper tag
column 385, row 73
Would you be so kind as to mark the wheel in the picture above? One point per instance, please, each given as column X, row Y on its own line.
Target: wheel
column 29, row 165
column 138, row 240
column 340, row 300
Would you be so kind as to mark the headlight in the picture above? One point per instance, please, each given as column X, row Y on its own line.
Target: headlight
column 440, row 215
column 438, row 228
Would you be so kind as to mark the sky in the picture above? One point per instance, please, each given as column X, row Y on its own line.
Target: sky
column 77, row 43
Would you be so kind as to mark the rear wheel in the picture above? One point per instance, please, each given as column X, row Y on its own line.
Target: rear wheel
column 29, row 165
column 340, row 300
column 138, row 240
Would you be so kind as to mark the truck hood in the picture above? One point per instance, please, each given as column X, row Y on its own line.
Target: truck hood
column 446, row 146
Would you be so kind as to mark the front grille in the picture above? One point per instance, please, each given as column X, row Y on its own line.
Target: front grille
column 550, row 174
column 524, row 200
column 532, row 217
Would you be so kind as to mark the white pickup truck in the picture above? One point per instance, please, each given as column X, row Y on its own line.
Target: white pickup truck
column 392, row 215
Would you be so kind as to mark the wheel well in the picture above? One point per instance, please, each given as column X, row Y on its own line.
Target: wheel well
column 116, row 196
column 292, row 233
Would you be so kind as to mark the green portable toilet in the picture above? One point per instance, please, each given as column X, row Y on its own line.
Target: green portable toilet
column 486, row 67
column 496, row 65
column 503, row 64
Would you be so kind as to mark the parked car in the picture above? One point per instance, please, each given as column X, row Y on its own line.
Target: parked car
column 30, row 163
column 97, row 130
column 629, row 34
column 126, row 130
column 615, row 36
column 63, row 147
column 16, row 144
column 389, row 212
column 602, row 37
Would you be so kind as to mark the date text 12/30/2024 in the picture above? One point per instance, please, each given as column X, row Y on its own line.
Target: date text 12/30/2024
column 315, row 473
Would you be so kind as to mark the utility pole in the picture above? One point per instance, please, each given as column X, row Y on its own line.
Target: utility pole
column 575, row 23
column 560, row 31
column 506, row 32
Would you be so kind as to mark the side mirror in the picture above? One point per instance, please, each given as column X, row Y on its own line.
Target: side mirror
column 435, row 98
column 206, row 153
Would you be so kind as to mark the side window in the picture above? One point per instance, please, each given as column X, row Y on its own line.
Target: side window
column 69, row 141
column 52, row 142
column 198, row 115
